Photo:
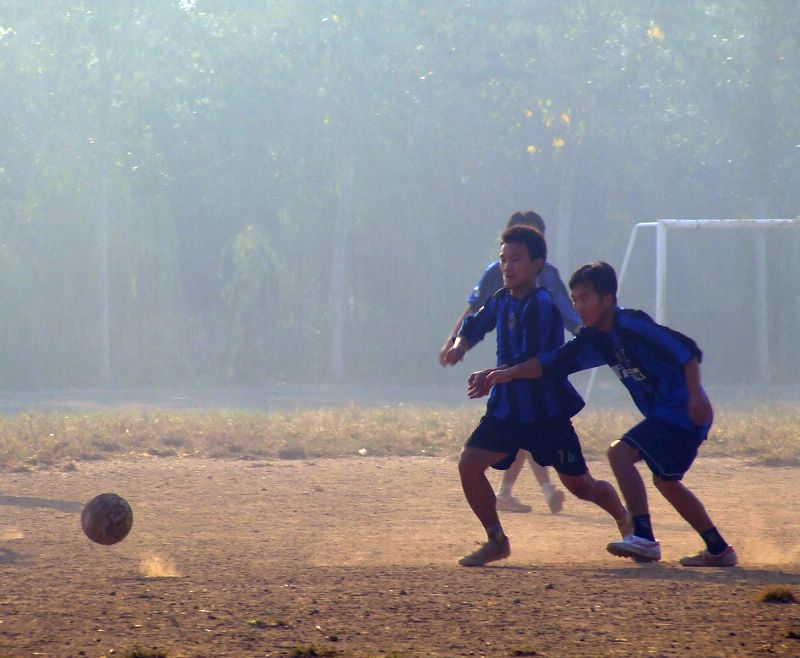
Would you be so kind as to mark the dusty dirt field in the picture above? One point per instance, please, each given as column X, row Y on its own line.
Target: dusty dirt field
column 357, row 558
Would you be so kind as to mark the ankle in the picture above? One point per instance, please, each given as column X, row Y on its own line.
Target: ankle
column 495, row 534
column 642, row 527
column 715, row 544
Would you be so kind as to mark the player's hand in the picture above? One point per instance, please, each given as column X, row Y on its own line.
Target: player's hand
column 476, row 384
column 498, row 376
column 443, row 352
column 453, row 355
column 700, row 411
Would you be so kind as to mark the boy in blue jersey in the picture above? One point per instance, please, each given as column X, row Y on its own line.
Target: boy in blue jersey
column 524, row 414
column 490, row 283
column 660, row 368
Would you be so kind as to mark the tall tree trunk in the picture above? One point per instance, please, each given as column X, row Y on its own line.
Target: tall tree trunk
column 339, row 269
column 103, row 166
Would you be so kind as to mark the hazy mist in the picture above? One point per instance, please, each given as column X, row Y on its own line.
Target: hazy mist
column 230, row 194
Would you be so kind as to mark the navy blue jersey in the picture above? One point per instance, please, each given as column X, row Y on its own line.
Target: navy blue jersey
column 648, row 358
column 524, row 328
column 492, row 281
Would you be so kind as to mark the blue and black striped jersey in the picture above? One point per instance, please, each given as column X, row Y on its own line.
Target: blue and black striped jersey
column 525, row 327
column 648, row 358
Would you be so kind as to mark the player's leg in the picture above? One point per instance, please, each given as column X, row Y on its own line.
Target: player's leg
column 718, row 553
column 494, row 442
column 553, row 496
column 622, row 459
column 477, row 488
column 506, row 500
column 481, row 498
column 556, row 443
column 641, row 544
column 602, row 494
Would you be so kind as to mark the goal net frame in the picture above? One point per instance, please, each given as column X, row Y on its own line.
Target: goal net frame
column 664, row 226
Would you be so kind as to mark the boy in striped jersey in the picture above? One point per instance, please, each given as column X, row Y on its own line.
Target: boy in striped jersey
column 490, row 283
column 527, row 414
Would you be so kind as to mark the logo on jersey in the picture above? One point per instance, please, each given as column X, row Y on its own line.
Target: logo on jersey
column 625, row 368
column 634, row 373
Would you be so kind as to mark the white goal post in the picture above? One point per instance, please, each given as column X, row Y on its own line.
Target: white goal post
column 663, row 226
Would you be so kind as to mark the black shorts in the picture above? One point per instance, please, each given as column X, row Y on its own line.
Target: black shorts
column 551, row 442
column 668, row 449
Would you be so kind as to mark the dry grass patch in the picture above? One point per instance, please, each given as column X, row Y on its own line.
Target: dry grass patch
column 314, row 652
column 778, row 594
column 767, row 436
column 139, row 652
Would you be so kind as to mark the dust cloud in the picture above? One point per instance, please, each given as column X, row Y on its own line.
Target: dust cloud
column 154, row 566
column 757, row 551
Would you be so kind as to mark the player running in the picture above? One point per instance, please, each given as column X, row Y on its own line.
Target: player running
column 523, row 414
column 490, row 283
column 661, row 370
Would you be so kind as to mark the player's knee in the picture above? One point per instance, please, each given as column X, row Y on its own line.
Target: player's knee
column 469, row 465
column 661, row 484
column 668, row 488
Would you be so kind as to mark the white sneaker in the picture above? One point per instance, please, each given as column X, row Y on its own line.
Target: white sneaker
column 636, row 548
column 512, row 504
column 555, row 501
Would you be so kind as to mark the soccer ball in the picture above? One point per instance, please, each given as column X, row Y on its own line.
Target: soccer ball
column 107, row 519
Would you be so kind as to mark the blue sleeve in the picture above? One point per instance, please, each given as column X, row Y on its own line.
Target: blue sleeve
column 490, row 283
column 478, row 324
column 552, row 281
column 667, row 344
column 578, row 354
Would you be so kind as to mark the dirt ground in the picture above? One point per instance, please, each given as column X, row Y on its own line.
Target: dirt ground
column 357, row 557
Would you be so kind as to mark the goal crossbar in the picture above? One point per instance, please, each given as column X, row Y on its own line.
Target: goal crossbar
column 662, row 226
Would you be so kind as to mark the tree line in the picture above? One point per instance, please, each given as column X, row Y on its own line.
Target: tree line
column 210, row 193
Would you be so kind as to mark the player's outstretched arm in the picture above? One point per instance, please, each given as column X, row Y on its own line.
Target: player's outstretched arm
column 700, row 410
column 530, row 369
column 456, row 351
column 451, row 339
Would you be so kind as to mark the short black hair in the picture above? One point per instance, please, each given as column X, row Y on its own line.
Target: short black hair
column 526, row 218
column 532, row 238
column 599, row 275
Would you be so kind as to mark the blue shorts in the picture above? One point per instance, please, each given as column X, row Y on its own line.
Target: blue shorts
column 668, row 449
column 551, row 442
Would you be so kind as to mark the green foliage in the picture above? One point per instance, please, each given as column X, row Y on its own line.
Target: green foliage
column 173, row 170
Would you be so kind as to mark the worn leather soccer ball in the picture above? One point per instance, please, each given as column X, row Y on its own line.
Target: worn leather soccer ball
column 107, row 519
